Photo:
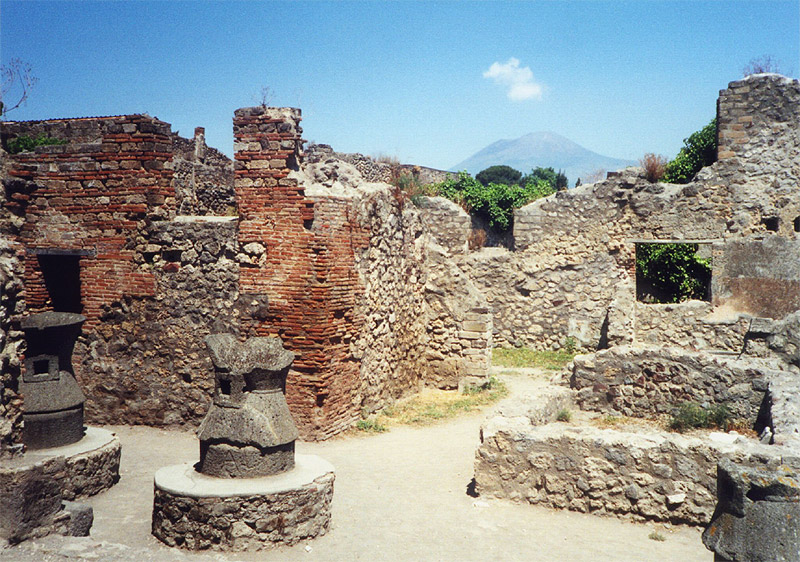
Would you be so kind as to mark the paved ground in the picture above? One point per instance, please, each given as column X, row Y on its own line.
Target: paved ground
column 398, row 496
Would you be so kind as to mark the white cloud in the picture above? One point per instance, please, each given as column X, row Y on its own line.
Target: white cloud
column 518, row 80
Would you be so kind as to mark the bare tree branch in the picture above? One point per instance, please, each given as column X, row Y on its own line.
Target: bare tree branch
column 16, row 75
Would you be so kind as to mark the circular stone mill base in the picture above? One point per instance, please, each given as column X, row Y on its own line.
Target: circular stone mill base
column 194, row 511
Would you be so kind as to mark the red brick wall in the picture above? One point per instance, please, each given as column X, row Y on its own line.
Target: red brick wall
column 308, row 272
column 92, row 196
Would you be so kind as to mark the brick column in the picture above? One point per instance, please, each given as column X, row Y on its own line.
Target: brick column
column 295, row 267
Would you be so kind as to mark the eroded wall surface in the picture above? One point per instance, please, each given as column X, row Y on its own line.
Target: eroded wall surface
column 573, row 271
column 167, row 248
column 11, row 305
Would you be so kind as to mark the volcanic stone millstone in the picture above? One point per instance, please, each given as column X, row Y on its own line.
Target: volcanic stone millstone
column 53, row 406
column 248, row 431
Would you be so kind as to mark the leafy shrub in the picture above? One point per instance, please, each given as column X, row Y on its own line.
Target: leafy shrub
column 24, row 143
column 692, row 416
column 656, row 536
column 654, row 166
column 499, row 174
column 570, row 345
column 564, row 415
column 699, row 150
column 669, row 273
column 495, row 202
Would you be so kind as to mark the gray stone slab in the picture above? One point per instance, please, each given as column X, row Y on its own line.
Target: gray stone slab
column 184, row 480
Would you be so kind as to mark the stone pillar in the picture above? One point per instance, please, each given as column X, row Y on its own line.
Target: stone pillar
column 758, row 514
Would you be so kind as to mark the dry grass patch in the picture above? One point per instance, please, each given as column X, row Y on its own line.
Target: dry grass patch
column 525, row 357
column 432, row 405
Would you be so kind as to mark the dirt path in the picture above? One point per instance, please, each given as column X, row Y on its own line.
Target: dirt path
column 398, row 496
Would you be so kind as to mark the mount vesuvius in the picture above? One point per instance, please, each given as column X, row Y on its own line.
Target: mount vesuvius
column 543, row 149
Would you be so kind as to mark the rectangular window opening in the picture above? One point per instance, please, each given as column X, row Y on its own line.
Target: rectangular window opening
column 672, row 272
column 62, row 279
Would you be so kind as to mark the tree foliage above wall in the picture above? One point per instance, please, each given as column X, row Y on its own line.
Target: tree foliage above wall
column 494, row 202
column 699, row 150
column 499, row 174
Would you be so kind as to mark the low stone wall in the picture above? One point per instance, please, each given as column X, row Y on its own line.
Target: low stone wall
column 33, row 486
column 88, row 473
column 644, row 475
column 690, row 325
column 643, row 382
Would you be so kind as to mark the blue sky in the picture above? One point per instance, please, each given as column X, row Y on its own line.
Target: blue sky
column 428, row 82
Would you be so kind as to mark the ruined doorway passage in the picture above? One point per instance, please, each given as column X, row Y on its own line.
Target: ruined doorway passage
column 62, row 279
column 669, row 272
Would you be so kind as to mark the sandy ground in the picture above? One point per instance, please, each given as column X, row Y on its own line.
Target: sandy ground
column 400, row 495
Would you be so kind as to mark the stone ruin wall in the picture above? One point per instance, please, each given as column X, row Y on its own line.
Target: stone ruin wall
column 11, row 339
column 646, row 382
column 341, row 279
column 202, row 176
column 377, row 171
column 573, row 271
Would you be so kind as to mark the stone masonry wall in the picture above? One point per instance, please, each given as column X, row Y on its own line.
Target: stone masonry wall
column 459, row 325
column 340, row 276
column 690, row 325
column 425, row 323
column 146, row 361
column 11, row 305
column 307, row 269
column 202, row 176
column 392, row 270
column 642, row 475
column 380, row 171
column 575, row 250
column 448, row 223
column 759, row 276
column 93, row 195
column 646, row 382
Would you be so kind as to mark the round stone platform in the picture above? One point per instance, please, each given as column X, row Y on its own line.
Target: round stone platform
column 195, row 511
column 90, row 466
column 34, row 485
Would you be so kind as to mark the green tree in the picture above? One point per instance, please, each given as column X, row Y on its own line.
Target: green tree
column 556, row 179
column 698, row 151
column 669, row 273
column 499, row 174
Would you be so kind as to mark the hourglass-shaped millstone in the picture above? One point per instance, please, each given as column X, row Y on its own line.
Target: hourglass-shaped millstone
column 248, row 431
column 53, row 400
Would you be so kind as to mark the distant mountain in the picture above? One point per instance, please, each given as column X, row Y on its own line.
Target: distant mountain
column 543, row 149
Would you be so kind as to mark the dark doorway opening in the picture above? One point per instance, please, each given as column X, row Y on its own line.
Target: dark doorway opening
column 62, row 279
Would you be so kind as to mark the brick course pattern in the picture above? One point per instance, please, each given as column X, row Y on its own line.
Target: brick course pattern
column 91, row 199
column 307, row 269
